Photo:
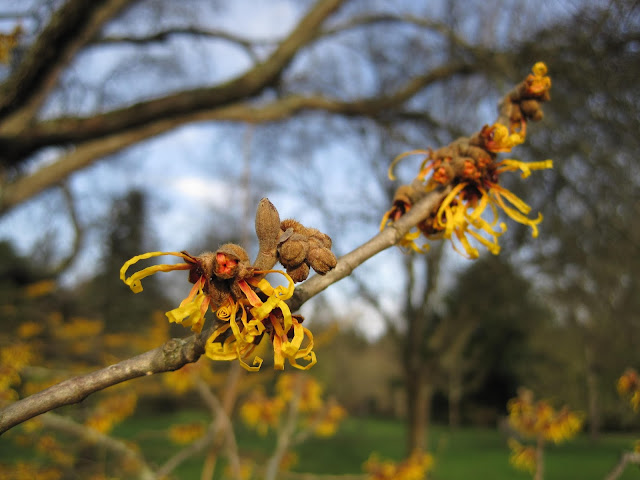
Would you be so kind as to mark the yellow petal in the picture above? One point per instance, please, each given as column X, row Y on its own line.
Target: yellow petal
column 539, row 69
column 395, row 161
column 134, row 280
column 509, row 164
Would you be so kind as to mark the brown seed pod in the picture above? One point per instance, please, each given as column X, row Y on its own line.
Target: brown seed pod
column 531, row 108
column 322, row 239
column 294, row 250
column 321, row 260
column 300, row 273
column 294, row 225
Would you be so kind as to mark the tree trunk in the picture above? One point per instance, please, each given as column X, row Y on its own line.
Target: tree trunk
column 593, row 395
column 455, row 396
column 419, row 396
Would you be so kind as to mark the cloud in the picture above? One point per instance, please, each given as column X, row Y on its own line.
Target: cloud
column 207, row 192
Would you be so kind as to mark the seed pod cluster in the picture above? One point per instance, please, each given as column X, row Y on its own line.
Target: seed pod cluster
column 523, row 103
column 298, row 248
column 301, row 248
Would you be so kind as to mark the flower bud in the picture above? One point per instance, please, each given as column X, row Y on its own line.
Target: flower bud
column 267, row 231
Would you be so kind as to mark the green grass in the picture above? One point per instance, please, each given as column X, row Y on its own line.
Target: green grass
column 467, row 453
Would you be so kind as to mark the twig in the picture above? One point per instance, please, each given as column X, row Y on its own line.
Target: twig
column 176, row 353
column 383, row 240
column 168, row 357
column 89, row 435
column 77, row 230
column 285, row 433
column 220, row 415
column 627, row 457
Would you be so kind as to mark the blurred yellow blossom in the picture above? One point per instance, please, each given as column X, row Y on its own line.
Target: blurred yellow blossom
column 27, row 330
column 416, row 467
column 522, row 457
column 247, row 469
column 329, row 420
column 533, row 419
column 50, row 446
column 78, row 327
column 310, row 391
column 262, row 412
column 539, row 421
column 9, row 41
column 26, row 471
column 629, row 387
column 112, row 410
column 38, row 289
column 186, row 433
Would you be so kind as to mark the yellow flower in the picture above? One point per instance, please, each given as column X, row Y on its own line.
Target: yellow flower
column 261, row 412
column 415, row 467
column 522, row 457
column 498, row 138
column 39, row 289
column 243, row 316
column 29, row 329
column 470, row 171
column 310, row 394
column 9, row 41
column 186, row 433
column 328, row 424
column 629, row 386
column 538, row 83
column 112, row 410
column 534, row 419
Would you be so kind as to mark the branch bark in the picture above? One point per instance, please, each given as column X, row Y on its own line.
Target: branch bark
column 171, row 356
column 74, row 25
column 84, row 154
column 176, row 353
column 174, row 105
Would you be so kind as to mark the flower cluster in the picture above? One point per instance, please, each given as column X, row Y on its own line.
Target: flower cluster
column 318, row 416
column 535, row 419
column 539, row 421
column 469, row 170
column 112, row 410
column 415, row 467
column 186, row 433
column 247, row 307
column 13, row 358
column 262, row 412
column 523, row 457
column 629, row 388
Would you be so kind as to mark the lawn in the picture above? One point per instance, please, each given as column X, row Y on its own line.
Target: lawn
column 467, row 453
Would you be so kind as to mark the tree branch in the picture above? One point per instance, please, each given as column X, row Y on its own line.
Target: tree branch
column 165, row 108
column 87, row 153
column 383, row 240
column 176, row 353
column 163, row 35
column 168, row 357
column 627, row 457
column 75, row 24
